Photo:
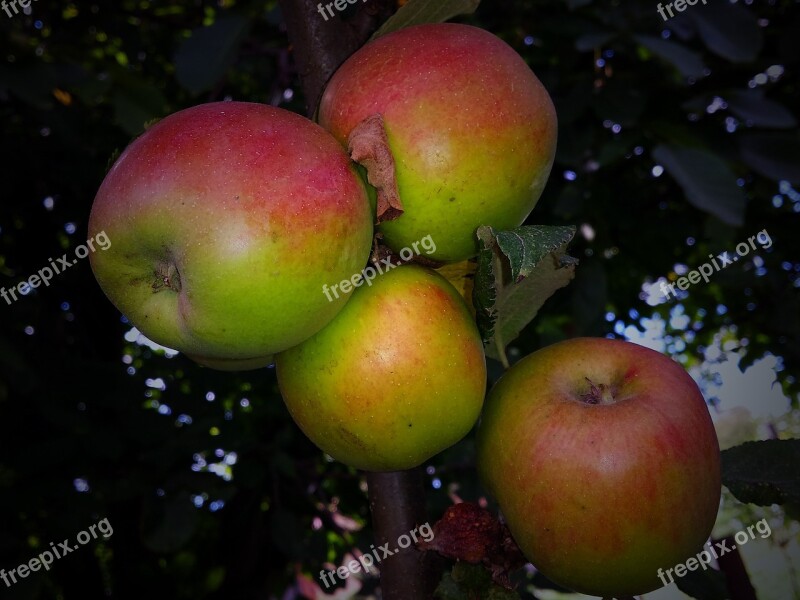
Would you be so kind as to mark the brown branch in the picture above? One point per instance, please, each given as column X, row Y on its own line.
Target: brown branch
column 397, row 499
column 320, row 46
column 397, row 504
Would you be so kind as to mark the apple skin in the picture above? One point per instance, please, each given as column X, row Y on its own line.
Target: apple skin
column 398, row 376
column 225, row 221
column 472, row 130
column 600, row 496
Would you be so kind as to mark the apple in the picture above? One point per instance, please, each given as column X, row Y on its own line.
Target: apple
column 470, row 129
column 604, row 461
column 398, row 376
column 225, row 221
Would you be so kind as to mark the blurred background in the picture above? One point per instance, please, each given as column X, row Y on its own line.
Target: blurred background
column 678, row 139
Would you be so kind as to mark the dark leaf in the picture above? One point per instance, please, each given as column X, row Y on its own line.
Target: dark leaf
column 416, row 12
column 707, row 181
column 764, row 472
column 36, row 83
column 206, row 55
column 773, row 155
column 619, row 102
column 697, row 104
column 136, row 102
column 728, row 30
column 751, row 106
column 688, row 63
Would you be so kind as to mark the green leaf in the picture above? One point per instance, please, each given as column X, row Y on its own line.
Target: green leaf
column 688, row 63
column 707, row 181
column 728, row 30
column 417, row 12
column 517, row 271
column 763, row 473
column 773, row 155
column 751, row 106
column 206, row 55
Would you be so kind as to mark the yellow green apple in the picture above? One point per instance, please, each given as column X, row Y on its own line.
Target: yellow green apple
column 398, row 376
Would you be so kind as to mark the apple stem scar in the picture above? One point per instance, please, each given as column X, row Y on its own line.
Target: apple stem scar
column 167, row 276
column 599, row 394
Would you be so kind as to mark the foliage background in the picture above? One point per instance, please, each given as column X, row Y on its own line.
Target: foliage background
column 677, row 140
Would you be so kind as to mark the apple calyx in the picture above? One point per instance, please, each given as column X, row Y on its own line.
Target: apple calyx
column 599, row 394
column 167, row 276
column 368, row 145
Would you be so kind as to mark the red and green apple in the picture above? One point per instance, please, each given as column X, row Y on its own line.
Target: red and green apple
column 226, row 219
column 604, row 461
column 471, row 130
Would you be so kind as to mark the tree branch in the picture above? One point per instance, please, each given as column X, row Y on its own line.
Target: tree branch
column 397, row 499
column 397, row 504
column 320, row 47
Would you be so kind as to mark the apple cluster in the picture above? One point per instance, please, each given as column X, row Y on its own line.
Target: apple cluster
column 229, row 218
